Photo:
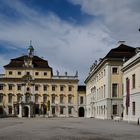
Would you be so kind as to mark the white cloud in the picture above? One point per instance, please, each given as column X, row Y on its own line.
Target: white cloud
column 3, row 61
column 66, row 46
column 120, row 17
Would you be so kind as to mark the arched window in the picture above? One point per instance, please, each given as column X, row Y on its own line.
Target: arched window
column 28, row 89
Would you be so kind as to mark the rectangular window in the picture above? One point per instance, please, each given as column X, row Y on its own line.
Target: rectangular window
column 44, row 98
column 19, row 73
column 10, row 87
column 53, row 99
column 36, row 73
column 10, row 72
column 133, row 81
column 61, row 99
column 133, row 108
column 81, row 100
column 45, row 73
column 28, row 73
column 36, row 88
column 70, row 88
column 114, row 70
column 36, row 98
column 114, row 90
column 61, row 88
column 10, row 98
column 1, row 87
column 69, row 99
column 53, row 88
column 45, row 87
column 114, row 109
column 18, row 87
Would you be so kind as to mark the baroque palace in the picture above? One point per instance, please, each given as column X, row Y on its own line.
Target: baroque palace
column 105, row 86
column 28, row 89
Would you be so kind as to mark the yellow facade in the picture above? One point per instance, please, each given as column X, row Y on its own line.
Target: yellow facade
column 29, row 88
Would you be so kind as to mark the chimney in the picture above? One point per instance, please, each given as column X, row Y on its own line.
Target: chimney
column 121, row 42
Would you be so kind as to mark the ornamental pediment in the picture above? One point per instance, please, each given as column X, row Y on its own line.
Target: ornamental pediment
column 27, row 77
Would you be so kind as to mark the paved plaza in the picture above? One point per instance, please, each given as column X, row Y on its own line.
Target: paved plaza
column 66, row 129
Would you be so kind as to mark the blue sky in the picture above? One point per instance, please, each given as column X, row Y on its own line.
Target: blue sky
column 70, row 34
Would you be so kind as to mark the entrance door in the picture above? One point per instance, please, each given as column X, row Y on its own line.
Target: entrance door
column 1, row 110
column 36, row 109
column 26, row 111
column 81, row 112
column 53, row 110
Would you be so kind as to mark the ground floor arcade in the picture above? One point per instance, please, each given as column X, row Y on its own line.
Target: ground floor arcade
column 105, row 109
column 33, row 110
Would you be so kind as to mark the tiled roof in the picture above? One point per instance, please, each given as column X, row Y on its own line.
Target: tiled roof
column 121, row 52
column 36, row 61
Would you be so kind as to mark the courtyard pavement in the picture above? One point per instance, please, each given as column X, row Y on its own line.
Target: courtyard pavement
column 66, row 129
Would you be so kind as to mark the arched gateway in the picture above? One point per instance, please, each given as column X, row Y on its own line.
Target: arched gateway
column 81, row 112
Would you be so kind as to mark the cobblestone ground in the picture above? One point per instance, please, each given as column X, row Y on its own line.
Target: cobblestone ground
column 66, row 129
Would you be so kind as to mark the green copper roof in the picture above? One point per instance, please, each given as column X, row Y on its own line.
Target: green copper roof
column 31, row 48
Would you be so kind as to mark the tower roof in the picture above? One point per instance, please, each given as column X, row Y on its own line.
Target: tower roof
column 31, row 48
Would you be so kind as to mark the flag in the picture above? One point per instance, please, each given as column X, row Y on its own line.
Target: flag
column 127, row 93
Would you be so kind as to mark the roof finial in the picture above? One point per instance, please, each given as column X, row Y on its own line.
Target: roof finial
column 30, row 42
column 30, row 49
